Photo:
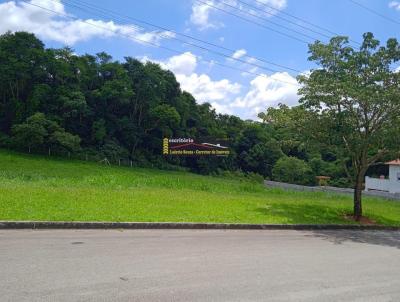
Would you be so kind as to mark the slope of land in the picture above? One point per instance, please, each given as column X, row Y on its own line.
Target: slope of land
column 40, row 188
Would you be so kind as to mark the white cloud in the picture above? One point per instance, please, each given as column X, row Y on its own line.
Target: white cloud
column 395, row 5
column 239, row 53
column 204, row 89
column 277, row 4
column 184, row 64
column 21, row 16
column 250, row 72
column 201, row 12
column 201, row 86
column 222, row 108
column 226, row 96
column 267, row 91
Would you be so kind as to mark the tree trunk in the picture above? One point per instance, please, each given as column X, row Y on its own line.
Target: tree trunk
column 134, row 148
column 358, row 196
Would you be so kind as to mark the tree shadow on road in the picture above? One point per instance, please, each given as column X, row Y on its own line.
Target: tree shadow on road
column 382, row 238
column 324, row 214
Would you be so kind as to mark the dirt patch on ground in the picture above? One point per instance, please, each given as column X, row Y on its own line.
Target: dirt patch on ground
column 363, row 221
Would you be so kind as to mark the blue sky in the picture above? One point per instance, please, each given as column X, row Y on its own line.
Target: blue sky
column 228, row 90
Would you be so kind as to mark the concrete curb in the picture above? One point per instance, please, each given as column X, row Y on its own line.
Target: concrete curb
column 183, row 226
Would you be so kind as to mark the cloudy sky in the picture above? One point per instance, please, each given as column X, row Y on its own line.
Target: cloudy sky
column 246, row 55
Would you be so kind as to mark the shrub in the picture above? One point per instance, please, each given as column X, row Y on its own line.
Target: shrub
column 5, row 140
column 261, row 158
column 254, row 177
column 241, row 176
column 341, row 183
column 293, row 170
column 113, row 151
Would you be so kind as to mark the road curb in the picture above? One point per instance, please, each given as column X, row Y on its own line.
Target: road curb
column 183, row 226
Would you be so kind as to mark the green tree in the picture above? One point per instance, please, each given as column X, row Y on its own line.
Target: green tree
column 22, row 56
column 31, row 134
column 290, row 125
column 261, row 158
column 39, row 132
column 293, row 170
column 356, row 97
column 164, row 117
column 64, row 140
column 99, row 131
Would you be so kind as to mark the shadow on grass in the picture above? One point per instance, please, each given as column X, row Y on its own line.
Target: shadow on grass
column 306, row 213
column 313, row 213
column 382, row 238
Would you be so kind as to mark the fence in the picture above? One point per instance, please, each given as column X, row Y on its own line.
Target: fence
column 293, row 187
column 115, row 160
column 83, row 156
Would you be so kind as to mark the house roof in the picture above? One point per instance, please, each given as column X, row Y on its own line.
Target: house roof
column 191, row 145
column 394, row 162
column 215, row 145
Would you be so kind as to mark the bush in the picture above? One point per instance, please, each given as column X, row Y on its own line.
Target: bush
column 261, row 158
column 293, row 170
column 38, row 132
column 240, row 175
column 5, row 140
column 341, row 183
column 254, row 177
column 113, row 151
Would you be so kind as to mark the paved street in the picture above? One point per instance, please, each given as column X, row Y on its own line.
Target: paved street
column 184, row 265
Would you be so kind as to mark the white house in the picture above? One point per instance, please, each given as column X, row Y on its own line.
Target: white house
column 391, row 185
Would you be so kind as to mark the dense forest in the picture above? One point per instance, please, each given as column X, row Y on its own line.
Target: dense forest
column 94, row 106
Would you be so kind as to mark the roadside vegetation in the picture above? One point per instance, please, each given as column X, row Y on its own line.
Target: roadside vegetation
column 43, row 189
column 346, row 126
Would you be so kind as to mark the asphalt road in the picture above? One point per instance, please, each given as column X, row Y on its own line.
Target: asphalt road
column 184, row 265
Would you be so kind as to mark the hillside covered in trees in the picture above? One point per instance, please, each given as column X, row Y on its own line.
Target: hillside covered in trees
column 92, row 105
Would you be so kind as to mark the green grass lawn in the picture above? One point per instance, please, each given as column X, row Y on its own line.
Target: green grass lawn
column 38, row 188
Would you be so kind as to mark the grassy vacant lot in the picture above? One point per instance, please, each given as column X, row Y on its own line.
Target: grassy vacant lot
column 38, row 188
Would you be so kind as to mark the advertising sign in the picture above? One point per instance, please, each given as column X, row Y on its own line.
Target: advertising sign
column 191, row 147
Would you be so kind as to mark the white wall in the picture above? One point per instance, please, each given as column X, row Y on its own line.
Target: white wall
column 377, row 184
column 393, row 171
column 394, row 176
column 391, row 185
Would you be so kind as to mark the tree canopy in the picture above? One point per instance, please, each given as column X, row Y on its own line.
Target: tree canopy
column 92, row 104
column 354, row 98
